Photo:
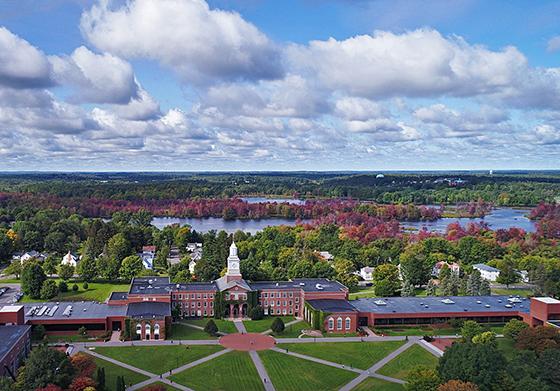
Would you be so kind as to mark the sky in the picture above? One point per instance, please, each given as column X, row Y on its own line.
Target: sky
column 246, row 85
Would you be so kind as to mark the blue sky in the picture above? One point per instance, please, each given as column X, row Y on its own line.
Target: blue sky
column 279, row 85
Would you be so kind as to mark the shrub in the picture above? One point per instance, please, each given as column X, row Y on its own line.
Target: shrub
column 39, row 332
column 278, row 326
column 75, row 288
column 85, row 286
column 211, row 327
column 62, row 286
column 256, row 313
column 82, row 331
column 456, row 323
column 513, row 328
column 49, row 289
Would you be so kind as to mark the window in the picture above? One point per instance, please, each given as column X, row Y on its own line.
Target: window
column 331, row 323
column 265, row 294
column 347, row 326
column 278, row 303
column 284, row 294
column 284, row 311
column 193, row 296
column 339, row 323
column 291, row 294
column 211, row 304
column 297, row 299
column 271, row 295
column 290, row 311
column 198, row 304
column 156, row 329
column 211, row 312
column 272, row 303
column 205, row 304
column 297, row 307
column 148, row 328
column 291, row 303
column 192, row 312
column 174, row 296
column 205, row 313
column 193, row 304
column 138, row 329
column 180, row 297
column 285, row 303
column 266, row 303
column 198, row 296
column 205, row 296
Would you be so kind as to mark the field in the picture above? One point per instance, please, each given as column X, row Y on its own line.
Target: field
column 233, row 371
column 258, row 326
column 158, row 359
column 294, row 374
column 293, row 331
column 371, row 383
column 426, row 330
column 167, row 387
column 224, row 326
column 180, row 331
column 97, row 291
column 112, row 371
column 400, row 366
column 360, row 355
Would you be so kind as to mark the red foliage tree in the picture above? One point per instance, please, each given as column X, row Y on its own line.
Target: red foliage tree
column 50, row 387
column 81, row 382
column 84, row 364
column 458, row 385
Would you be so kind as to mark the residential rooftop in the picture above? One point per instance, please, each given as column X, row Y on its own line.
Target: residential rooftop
column 485, row 267
column 441, row 304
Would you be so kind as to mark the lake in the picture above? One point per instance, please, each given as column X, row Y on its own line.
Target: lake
column 499, row 218
column 218, row 224
column 257, row 200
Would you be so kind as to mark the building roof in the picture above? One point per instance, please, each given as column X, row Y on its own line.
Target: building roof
column 9, row 335
column 150, row 286
column 482, row 266
column 547, row 300
column 419, row 305
column 196, row 286
column 148, row 309
column 223, row 284
column 118, row 296
column 11, row 308
column 332, row 305
column 306, row 284
column 72, row 310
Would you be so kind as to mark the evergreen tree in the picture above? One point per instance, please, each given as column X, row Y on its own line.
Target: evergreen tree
column 484, row 288
column 32, row 279
column 211, row 327
column 431, row 289
column 277, row 325
column 407, row 289
column 474, row 282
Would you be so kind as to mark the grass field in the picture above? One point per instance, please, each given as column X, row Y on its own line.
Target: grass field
column 232, row 372
column 290, row 373
column 97, row 291
column 224, row 326
column 181, row 331
column 419, row 331
column 371, row 383
column 69, row 338
column 158, row 359
column 360, row 355
column 400, row 366
column 258, row 326
column 112, row 371
column 167, row 387
column 293, row 331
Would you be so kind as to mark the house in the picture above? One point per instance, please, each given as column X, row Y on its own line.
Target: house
column 523, row 275
column 192, row 265
column 325, row 255
column 454, row 267
column 192, row 247
column 487, row 272
column 195, row 251
column 70, row 259
column 32, row 254
column 367, row 273
column 174, row 256
column 148, row 255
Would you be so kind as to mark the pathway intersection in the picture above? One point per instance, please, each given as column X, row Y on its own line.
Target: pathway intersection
column 244, row 344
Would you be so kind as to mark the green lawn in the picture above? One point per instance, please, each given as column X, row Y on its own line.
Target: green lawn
column 113, row 370
column 395, row 331
column 231, row 371
column 258, row 326
column 362, row 292
column 224, row 326
column 400, row 366
column 516, row 292
column 360, row 355
column 293, row 331
column 158, row 359
column 372, row 383
column 69, row 338
column 167, row 387
column 290, row 373
column 181, row 331
column 507, row 347
column 97, row 291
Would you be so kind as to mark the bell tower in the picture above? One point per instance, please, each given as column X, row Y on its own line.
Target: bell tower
column 233, row 273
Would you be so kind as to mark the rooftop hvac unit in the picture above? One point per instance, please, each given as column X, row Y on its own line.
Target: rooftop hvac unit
column 31, row 311
column 52, row 311
column 67, row 311
column 447, row 301
column 380, row 302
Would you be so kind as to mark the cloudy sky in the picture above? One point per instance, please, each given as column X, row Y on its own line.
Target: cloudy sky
column 279, row 85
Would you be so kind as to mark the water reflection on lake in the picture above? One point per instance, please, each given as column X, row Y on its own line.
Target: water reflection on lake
column 256, row 200
column 218, row 224
column 500, row 218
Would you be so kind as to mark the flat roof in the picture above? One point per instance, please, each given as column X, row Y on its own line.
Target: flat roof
column 441, row 304
column 305, row 284
column 11, row 308
column 332, row 305
column 118, row 296
column 547, row 300
column 9, row 335
column 147, row 309
column 196, row 286
column 80, row 310
column 150, row 286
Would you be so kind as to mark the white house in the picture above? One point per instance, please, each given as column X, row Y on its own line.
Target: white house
column 147, row 255
column 70, row 259
column 191, row 247
column 32, row 254
column 367, row 273
column 454, row 267
column 487, row 272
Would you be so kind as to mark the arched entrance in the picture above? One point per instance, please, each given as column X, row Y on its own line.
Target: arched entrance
column 244, row 310
column 235, row 310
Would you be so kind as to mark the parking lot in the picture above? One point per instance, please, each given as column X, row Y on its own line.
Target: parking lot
column 10, row 293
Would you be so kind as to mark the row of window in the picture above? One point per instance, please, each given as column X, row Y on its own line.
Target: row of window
column 278, row 303
column 278, row 311
column 193, row 296
column 196, row 304
column 194, row 313
column 347, row 323
column 278, row 294
column 147, row 329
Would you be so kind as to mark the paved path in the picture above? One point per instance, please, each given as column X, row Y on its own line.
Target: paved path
column 431, row 348
column 147, row 343
column 378, row 365
column 240, row 326
column 340, row 339
column 117, row 362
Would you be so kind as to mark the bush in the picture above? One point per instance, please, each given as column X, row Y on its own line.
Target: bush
column 49, row 290
column 62, row 286
column 513, row 328
column 256, row 313
column 39, row 332
column 75, row 288
column 211, row 327
column 278, row 326
column 85, row 286
column 82, row 331
column 456, row 323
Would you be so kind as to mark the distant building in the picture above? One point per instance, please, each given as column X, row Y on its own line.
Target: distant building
column 325, row 255
column 26, row 256
column 195, row 251
column 454, row 267
column 148, row 255
column 367, row 273
column 174, row 256
column 380, row 176
column 70, row 259
column 487, row 272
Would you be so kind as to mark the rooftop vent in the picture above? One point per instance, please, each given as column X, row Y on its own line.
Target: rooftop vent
column 509, row 306
column 515, row 300
column 380, row 302
column 478, row 302
column 487, row 305
column 447, row 301
column 319, row 287
column 302, row 284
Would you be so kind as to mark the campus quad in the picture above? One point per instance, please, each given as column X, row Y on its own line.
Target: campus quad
column 146, row 308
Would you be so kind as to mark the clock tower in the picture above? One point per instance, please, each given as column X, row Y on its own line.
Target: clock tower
column 233, row 273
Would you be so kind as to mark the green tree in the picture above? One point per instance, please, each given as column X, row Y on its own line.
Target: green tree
column 63, row 286
column 39, row 332
column 14, row 268
column 487, row 337
column 50, row 265
column 474, row 283
column 548, row 367
column 120, row 384
column 484, row 288
column 431, row 289
column 49, row 289
column 211, row 327
column 407, row 289
column 47, row 366
column 100, row 377
column 422, row 379
column 118, row 247
column 386, row 280
column 344, row 269
column 470, row 329
column 507, row 275
column 131, row 267
column 66, row 271
column 278, row 325
column 415, row 266
column 513, row 328
column 87, row 268
column 32, row 279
